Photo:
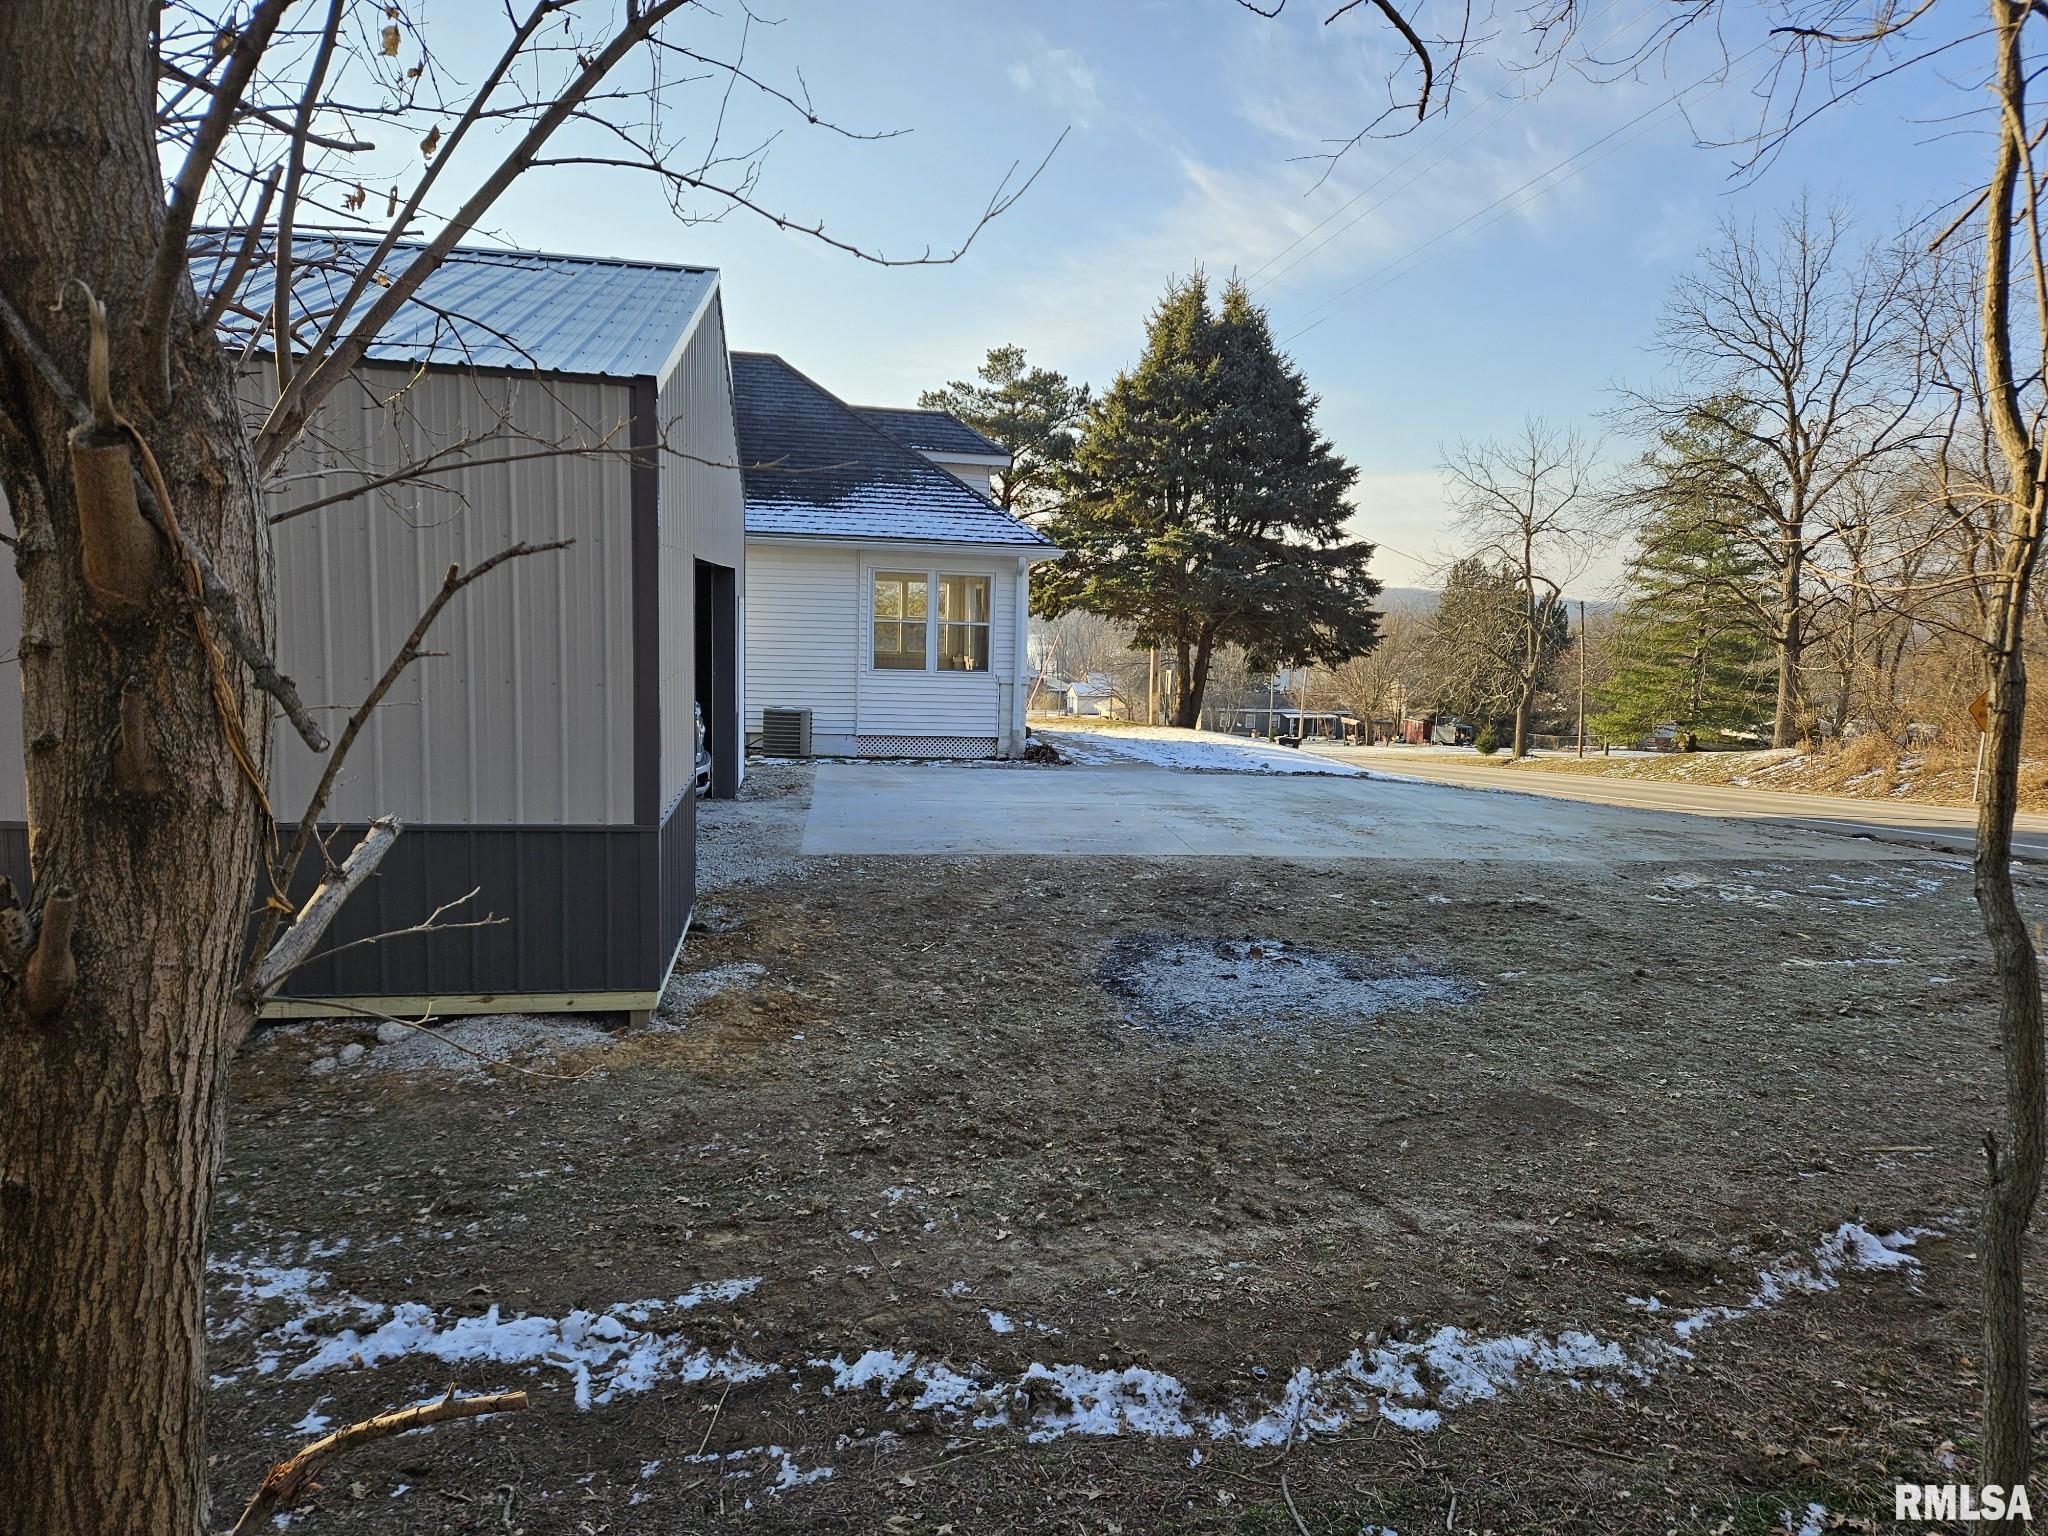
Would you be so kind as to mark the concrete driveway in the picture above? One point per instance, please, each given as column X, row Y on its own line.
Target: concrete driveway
column 1147, row 810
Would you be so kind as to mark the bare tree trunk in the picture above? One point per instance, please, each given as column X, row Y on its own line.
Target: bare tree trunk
column 2014, row 1171
column 112, row 1101
column 1791, row 643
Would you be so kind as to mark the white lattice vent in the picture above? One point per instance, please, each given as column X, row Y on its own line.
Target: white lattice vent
column 927, row 746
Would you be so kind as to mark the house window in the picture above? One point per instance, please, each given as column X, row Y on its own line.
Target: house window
column 963, row 623
column 901, row 608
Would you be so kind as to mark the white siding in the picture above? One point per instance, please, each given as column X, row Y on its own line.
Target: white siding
column 808, row 633
column 977, row 477
column 803, row 611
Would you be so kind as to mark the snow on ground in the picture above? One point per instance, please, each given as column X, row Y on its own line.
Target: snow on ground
column 1179, row 984
column 1168, row 746
column 1409, row 1383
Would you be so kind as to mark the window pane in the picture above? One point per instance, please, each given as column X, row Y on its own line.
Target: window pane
column 964, row 598
column 963, row 647
column 899, row 595
column 899, row 647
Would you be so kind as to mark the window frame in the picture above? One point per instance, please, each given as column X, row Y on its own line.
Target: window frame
column 931, row 577
column 986, row 624
column 905, row 581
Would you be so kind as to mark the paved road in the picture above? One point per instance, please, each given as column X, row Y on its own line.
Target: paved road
column 1154, row 811
column 1892, row 821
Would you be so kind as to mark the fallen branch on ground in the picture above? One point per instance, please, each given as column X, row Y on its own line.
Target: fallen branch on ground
column 283, row 1481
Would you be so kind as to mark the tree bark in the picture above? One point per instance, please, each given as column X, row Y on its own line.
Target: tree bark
column 112, row 1106
column 1197, row 675
column 2014, row 1169
column 1791, row 640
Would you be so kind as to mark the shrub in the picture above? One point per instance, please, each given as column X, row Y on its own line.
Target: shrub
column 1488, row 740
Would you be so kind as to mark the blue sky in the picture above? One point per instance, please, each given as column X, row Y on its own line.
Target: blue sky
column 1186, row 121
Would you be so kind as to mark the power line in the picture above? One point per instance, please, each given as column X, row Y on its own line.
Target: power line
column 1642, row 122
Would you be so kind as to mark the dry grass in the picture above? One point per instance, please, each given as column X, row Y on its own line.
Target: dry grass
column 1868, row 768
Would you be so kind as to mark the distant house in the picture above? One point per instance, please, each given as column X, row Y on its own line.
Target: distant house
column 1096, row 695
column 883, row 595
column 946, row 440
column 542, row 753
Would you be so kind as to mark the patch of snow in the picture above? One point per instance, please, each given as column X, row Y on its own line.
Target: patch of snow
column 1815, row 1519
column 1166, row 746
column 1851, row 1246
column 1410, row 1384
column 315, row 1423
column 1178, row 984
column 997, row 1322
column 603, row 1355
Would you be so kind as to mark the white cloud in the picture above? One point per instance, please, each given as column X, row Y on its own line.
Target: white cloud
column 1058, row 76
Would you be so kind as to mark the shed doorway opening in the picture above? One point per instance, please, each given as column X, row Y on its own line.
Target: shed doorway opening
column 718, row 674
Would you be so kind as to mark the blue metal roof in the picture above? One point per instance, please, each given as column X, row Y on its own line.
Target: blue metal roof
column 821, row 469
column 482, row 307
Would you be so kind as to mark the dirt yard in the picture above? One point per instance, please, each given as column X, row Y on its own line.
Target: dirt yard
column 1052, row 1195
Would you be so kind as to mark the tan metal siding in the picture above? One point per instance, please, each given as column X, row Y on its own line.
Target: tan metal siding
column 702, row 518
column 527, row 717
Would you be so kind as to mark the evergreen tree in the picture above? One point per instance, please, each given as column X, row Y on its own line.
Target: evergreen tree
column 1692, row 645
column 1205, row 509
column 1035, row 413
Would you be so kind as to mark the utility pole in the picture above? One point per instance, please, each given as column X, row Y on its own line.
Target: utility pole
column 1582, row 677
column 1152, row 686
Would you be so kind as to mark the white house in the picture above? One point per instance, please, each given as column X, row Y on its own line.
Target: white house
column 1096, row 694
column 883, row 595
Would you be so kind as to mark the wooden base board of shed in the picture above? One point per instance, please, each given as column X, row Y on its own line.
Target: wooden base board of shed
column 638, row 1004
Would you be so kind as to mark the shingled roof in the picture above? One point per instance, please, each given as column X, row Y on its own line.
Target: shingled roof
column 482, row 307
column 834, row 474
column 932, row 432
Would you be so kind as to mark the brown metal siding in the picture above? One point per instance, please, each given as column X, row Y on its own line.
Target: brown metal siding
column 586, row 909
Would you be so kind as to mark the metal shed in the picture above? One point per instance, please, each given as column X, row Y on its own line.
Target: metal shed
column 546, row 757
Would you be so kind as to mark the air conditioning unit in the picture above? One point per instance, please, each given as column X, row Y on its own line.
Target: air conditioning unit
column 786, row 733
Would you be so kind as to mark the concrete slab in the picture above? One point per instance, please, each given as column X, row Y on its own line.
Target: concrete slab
column 894, row 808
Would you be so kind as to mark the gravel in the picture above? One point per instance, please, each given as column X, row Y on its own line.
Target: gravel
column 687, row 991
column 753, row 840
column 465, row 1047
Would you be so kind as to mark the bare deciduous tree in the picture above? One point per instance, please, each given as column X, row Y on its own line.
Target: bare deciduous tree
column 1796, row 350
column 1527, row 504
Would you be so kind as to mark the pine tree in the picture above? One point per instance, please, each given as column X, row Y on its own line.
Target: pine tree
column 1205, row 509
column 1035, row 413
column 1692, row 645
